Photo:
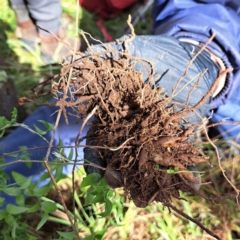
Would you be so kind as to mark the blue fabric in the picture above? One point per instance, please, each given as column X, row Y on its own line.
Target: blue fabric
column 198, row 20
column 170, row 57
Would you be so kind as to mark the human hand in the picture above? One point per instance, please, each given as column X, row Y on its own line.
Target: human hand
column 170, row 58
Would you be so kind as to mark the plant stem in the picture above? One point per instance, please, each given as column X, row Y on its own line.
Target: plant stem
column 82, row 209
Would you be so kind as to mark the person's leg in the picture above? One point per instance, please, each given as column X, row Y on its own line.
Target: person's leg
column 26, row 29
column 47, row 14
column 21, row 10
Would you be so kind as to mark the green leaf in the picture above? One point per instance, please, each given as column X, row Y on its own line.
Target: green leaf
column 176, row 169
column 90, row 199
column 108, row 208
column 13, row 209
column 67, row 235
column 2, row 133
column 12, row 191
column 2, row 200
column 26, row 159
column 3, row 122
column 15, row 155
column 156, row 167
column 2, row 183
column 49, row 207
column 91, row 179
column 70, row 156
column 10, row 220
column 14, row 115
column 29, row 191
column 2, row 160
column 3, row 178
column 49, row 126
column 27, row 183
column 171, row 171
column 101, row 187
column 41, row 191
column 99, row 234
column 20, row 200
column 59, row 172
column 60, row 144
column 40, row 131
column 34, row 208
column 3, row 214
column 19, row 178
column 44, row 176
column 3, row 76
column 92, row 190
column 31, row 237
column 23, row 148
column 43, row 220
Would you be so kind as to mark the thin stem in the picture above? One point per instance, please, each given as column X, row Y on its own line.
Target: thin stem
column 219, row 159
column 82, row 209
column 192, row 220
column 59, row 220
column 57, row 147
column 61, row 198
column 190, row 63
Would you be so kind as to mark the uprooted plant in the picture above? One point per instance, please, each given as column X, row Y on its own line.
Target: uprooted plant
column 136, row 130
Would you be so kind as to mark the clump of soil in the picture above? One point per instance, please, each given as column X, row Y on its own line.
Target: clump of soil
column 136, row 125
column 136, row 129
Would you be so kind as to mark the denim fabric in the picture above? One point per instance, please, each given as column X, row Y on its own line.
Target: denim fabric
column 198, row 20
column 170, row 57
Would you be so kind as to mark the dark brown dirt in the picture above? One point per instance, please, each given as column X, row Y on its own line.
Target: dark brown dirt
column 135, row 125
column 140, row 132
